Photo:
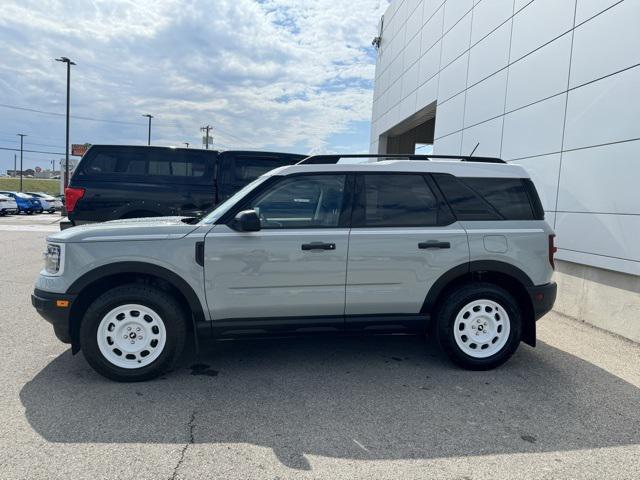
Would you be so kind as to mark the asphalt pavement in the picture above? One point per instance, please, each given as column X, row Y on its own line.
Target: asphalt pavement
column 380, row 407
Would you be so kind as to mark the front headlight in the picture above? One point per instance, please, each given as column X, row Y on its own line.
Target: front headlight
column 54, row 259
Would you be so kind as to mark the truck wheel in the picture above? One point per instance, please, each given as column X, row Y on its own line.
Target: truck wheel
column 133, row 333
column 479, row 326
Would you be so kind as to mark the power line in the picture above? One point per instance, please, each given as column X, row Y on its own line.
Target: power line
column 38, row 144
column 56, row 114
column 31, row 151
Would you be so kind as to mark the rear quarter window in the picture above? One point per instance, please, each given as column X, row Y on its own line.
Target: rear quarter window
column 488, row 198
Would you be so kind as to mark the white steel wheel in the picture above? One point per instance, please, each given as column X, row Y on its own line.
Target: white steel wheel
column 481, row 328
column 131, row 336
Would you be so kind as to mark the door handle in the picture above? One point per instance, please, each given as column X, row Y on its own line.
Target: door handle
column 434, row 244
column 318, row 246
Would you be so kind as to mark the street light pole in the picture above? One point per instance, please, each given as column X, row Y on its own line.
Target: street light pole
column 149, row 135
column 21, row 135
column 187, row 144
column 66, row 152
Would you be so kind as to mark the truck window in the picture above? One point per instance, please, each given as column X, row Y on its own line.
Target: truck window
column 250, row 168
column 140, row 161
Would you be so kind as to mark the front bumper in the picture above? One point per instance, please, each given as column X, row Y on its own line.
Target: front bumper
column 48, row 305
column 542, row 298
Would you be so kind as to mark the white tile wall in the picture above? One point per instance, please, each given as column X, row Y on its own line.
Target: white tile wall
column 534, row 130
column 432, row 30
column 427, row 93
column 453, row 78
column 430, row 63
column 609, row 235
column 456, row 40
column 488, row 134
column 586, row 9
column 538, row 23
column 449, row 116
column 488, row 15
column 490, row 55
column 485, row 100
column 540, row 75
column 598, row 169
column 604, row 111
column 607, row 43
column 411, row 52
column 494, row 62
column 449, row 145
column 454, row 11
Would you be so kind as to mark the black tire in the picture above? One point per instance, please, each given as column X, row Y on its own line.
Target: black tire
column 453, row 304
column 28, row 212
column 163, row 304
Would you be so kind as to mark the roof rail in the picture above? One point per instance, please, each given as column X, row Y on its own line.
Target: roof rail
column 335, row 158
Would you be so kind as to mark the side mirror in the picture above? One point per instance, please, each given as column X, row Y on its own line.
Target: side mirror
column 246, row 221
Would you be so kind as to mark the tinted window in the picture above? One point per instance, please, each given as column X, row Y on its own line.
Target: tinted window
column 487, row 198
column 464, row 202
column 250, row 168
column 145, row 161
column 391, row 200
column 313, row 201
column 507, row 195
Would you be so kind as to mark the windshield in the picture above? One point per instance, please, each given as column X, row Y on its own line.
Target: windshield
column 224, row 207
column 23, row 195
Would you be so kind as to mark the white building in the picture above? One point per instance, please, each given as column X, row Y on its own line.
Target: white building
column 553, row 85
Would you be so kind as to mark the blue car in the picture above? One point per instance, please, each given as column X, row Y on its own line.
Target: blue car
column 26, row 203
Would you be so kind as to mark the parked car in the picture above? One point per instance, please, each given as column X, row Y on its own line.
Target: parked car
column 25, row 203
column 7, row 205
column 49, row 203
column 117, row 181
column 457, row 248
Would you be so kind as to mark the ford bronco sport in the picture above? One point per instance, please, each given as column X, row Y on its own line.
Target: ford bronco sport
column 411, row 244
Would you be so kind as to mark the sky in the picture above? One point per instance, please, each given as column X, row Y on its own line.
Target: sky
column 285, row 75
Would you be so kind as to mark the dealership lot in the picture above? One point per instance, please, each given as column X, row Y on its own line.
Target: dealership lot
column 374, row 407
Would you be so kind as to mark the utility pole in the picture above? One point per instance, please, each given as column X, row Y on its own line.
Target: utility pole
column 66, row 152
column 21, row 135
column 149, row 134
column 206, row 135
column 187, row 144
column 15, row 164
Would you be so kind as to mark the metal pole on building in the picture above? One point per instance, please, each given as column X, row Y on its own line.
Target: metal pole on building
column 187, row 144
column 21, row 135
column 149, row 131
column 66, row 152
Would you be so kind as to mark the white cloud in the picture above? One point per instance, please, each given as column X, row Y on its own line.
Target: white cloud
column 269, row 74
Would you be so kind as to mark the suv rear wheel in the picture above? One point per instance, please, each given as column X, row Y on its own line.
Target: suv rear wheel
column 479, row 326
column 133, row 333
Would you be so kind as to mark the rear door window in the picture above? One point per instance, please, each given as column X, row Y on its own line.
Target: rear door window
column 395, row 200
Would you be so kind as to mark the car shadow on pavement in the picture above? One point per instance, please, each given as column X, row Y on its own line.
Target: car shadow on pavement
column 379, row 397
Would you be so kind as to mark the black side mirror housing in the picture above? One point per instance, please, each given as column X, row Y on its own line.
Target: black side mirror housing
column 246, row 221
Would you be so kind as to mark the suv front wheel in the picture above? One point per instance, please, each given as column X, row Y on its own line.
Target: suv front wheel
column 133, row 333
column 479, row 326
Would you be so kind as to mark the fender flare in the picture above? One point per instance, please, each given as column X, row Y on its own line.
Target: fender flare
column 199, row 323
column 143, row 268
column 459, row 271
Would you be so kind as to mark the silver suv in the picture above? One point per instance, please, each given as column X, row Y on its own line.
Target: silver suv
column 417, row 245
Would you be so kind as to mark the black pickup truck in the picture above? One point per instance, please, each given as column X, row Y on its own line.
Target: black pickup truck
column 122, row 181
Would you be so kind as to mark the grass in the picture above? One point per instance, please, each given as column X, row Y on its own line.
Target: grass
column 52, row 187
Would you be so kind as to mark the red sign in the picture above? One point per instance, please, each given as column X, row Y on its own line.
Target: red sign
column 79, row 149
